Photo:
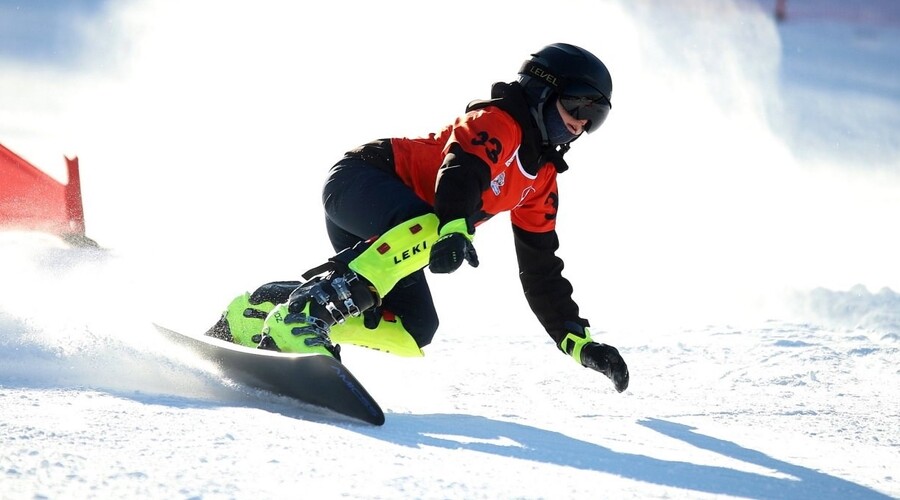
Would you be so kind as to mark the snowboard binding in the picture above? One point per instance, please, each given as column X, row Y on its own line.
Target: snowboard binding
column 333, row 294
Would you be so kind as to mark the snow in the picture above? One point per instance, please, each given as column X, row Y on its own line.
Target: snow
column 731, row 229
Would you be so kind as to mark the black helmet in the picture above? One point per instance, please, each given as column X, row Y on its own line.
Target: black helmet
column 578, row 78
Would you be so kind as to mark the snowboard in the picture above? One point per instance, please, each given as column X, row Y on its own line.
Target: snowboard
column 314, row 379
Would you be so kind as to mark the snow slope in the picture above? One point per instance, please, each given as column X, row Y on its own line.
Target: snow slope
column 731, row 230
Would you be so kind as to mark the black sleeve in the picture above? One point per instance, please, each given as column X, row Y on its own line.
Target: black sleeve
column 548, row 293
column 462, row 179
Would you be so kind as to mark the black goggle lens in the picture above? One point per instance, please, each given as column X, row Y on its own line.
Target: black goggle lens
column 594, row 109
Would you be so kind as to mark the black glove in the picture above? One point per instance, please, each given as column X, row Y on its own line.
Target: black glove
column 606, row 360
column 451, row 248
column 600, row 357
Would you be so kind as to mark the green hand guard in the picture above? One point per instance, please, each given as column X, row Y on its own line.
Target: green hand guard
column 457, row 226
column 574, row 342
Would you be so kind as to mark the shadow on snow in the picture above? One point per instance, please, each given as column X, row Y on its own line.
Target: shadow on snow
column 524, row 442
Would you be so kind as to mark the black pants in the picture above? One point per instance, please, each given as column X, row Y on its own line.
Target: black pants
column 362, row 200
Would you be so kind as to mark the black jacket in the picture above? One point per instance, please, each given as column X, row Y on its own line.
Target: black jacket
column 548, row 293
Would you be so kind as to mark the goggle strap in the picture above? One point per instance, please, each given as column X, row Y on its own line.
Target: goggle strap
column 539, row 71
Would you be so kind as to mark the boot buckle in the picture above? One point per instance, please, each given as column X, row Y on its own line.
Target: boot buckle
column 345, row 296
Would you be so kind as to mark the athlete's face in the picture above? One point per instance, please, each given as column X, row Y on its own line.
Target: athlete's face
column 574, row 125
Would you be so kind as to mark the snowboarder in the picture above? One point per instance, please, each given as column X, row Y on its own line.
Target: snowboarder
column 395, row 206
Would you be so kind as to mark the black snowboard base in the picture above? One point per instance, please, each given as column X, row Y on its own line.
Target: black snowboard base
column 314, row 379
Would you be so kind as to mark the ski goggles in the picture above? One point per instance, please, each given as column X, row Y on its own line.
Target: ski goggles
column 593, row 108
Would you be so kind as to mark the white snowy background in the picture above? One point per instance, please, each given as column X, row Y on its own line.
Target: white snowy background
column 732, row 229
